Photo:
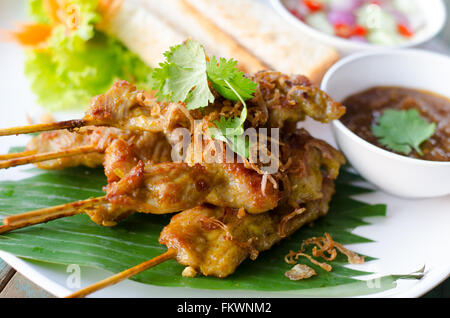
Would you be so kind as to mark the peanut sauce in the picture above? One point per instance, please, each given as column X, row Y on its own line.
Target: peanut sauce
column 364, row 108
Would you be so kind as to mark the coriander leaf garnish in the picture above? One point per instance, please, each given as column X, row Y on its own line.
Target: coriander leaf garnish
column 231, row 130
column 402, row 130
column 224, row 74
column 182, row 78
column 238, row 143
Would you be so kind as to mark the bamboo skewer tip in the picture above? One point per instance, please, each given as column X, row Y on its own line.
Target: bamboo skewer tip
column 170, row 254
column 67, row 124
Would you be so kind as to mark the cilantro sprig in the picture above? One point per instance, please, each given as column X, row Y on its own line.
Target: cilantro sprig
column 228, row 81
column 403, row 130
column 231, row 130
column 184, row 78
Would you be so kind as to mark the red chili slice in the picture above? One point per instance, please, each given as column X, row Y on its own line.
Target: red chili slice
column 343, row 30
column 359, row 30
column 404, row 30
column 313, row 5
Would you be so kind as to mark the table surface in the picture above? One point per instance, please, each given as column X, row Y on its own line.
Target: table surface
column 15, row 285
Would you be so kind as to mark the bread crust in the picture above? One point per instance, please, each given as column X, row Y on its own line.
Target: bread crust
column 246, row 30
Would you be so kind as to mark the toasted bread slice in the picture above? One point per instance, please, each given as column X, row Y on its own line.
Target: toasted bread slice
column 246, row 30
column 141, row 31
column 187, row 20
column 258, row 28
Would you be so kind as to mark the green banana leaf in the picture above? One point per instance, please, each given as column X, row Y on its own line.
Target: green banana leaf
column 77, row 240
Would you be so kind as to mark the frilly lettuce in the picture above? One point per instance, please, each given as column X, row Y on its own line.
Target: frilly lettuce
column 80, row 64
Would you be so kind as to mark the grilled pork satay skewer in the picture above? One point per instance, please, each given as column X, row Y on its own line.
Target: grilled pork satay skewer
column 84, row 147
column 171, row 187
column 281, row 98
column 68, row 124
column 176, row 186
column 201, row 236
column 121, row 155
column 170, row 254
column 214, row 241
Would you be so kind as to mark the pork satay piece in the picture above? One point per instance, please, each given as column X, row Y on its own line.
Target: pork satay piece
column 312, row 160
column 122, row 155
column 175, row 186
column 122, row 106
column 172, row 187
column 289, row 99
column 107, row 214
column 62, row 140
column 214, row 241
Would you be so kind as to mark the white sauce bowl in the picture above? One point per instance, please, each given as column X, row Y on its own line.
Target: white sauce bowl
column 393, row 173
column 433, row 11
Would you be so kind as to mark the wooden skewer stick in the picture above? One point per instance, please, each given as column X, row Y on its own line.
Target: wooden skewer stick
column 171, row 253
column 46, row 156
column 18, row 221
column 68, row 124
column 17, row 155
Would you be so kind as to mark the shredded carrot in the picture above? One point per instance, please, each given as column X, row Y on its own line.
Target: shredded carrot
column 34, row 35
column 62, row 12
column 52, row 7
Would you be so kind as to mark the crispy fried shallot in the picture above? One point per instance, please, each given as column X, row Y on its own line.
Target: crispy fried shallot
column 299, row 272
column 189, row 271
column 325, row 247
column 286, row 219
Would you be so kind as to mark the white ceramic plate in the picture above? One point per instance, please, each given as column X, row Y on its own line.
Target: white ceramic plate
column 414, row 233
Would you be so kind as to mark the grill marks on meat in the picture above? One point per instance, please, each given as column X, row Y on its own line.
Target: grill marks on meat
column 161, row 188
column 175, row 186
column 122, row 155
column 239, row 187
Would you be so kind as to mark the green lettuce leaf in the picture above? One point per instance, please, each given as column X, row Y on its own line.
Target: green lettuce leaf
column 77, row 66
column 36, row 11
